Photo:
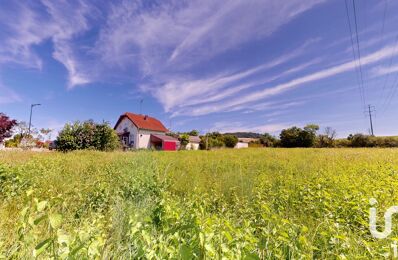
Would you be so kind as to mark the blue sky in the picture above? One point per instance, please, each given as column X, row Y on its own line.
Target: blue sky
column 241, row 65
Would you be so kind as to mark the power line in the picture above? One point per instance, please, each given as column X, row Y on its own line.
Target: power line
column 360, row 87
column 384, row 19
column 394, row 86
column 359, row 49
column 393, row 91
column 389, row 67
column 382, row 40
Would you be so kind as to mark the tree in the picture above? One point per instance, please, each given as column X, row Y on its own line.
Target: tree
column 6, row 126
column 105, row 138
column 193, row 133
column 212, row 140
column 230, row 141
column 297, row 137
column 268, row 140
column 311, row 128
column 46, row 133
column 184, row 140
column 328, row 138
column 87, row 135
column 290, row 137
column 22, row 128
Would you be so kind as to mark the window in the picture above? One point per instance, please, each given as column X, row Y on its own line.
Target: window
column 125, row 140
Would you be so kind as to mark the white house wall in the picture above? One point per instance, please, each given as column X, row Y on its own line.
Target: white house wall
column 144, row 138
column 241, row 145
column 130, row 127
column 192, row 146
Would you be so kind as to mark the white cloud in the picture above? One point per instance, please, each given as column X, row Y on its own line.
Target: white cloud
column 163, row 40
column 281, row 88
column 228, row 127
column 22, row 29
column 383, row 70
column 180, row 93
column 27, row 27
column 181, row 33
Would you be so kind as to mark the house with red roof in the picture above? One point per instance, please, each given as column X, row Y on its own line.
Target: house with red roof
column 142, row 132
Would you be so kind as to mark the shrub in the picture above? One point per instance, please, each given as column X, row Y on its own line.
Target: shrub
column 361, row 140
column 297, row 137
column 230, row 141
column 184, row 140
column 387, row 142
column 268, row 140
column 87, row 135
column 212, row 140
column 6, row 126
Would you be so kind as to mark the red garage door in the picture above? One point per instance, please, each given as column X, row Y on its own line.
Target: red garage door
column 169, row 146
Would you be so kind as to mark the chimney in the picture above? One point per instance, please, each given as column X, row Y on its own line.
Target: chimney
column 145, row 117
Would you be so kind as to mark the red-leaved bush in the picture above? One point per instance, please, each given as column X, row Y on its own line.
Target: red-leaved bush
column 6, row 125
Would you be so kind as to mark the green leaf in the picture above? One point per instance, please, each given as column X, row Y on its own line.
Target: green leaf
column 228, row 236
column 55, row 220
column 251, row 257
column 76, row 249
column 39, row 219
column 41, row 205
column 185, row 252
column 41, row 247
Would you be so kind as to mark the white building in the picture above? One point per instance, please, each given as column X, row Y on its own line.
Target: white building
column 194, row 142
column 142, row 131
column 244, row 142
column 240, row 145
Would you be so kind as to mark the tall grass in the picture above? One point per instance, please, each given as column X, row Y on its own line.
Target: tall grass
column 240, row 204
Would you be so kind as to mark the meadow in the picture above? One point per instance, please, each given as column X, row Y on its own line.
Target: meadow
column 224, row 204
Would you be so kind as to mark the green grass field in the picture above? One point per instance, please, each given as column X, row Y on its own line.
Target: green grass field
column 226, row 204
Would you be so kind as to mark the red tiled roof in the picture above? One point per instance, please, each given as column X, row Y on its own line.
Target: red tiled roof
column 143, row 122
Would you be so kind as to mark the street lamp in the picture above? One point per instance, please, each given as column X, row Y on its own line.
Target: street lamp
column 30, row 117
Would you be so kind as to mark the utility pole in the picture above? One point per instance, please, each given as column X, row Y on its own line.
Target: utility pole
column 30, row 117
column 371, row 110
column 141, row 101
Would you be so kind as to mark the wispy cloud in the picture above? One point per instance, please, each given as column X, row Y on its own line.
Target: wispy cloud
column 214, row 94
column 383, row 70
column 228, row 127
column 281, row 88
column 27, row 27
column 178, row 93
column 156, row 43
column 176, row 33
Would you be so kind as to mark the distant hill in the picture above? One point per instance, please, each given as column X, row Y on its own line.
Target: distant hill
column 245, row 134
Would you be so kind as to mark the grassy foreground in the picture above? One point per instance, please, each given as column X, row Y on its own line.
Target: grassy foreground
column 231, row 204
